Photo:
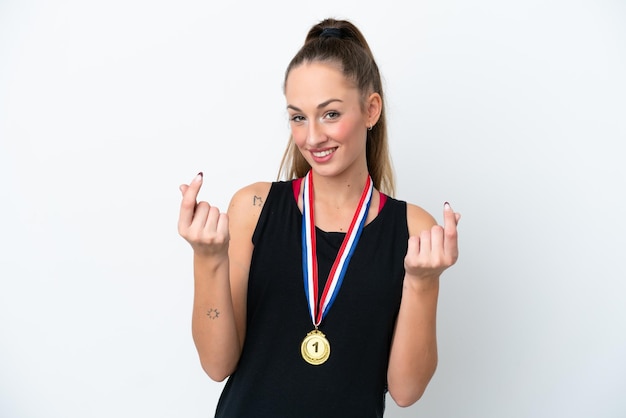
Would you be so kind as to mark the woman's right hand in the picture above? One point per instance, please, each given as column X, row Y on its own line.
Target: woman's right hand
column 201, row 224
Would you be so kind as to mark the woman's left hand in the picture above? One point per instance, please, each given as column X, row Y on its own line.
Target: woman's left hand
column 434, row 250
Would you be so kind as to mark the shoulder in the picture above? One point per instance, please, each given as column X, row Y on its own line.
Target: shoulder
column 418, row 219
column 248, row 201
column 251, row 194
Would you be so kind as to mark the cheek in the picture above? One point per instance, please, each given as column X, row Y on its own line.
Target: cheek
column 298, row 133
column 343, row 131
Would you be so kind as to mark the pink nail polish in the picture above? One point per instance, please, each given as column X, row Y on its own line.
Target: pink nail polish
column 198, row 176
column 446, row 206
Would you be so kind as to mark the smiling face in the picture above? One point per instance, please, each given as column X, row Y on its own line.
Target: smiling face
column 328, row 118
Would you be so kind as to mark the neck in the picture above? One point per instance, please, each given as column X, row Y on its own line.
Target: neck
column 336, row 199
column 338, row 190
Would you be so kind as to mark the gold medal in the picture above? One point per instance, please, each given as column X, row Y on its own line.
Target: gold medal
column 315, row 348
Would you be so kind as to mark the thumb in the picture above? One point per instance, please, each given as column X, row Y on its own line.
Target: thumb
column 183, row 188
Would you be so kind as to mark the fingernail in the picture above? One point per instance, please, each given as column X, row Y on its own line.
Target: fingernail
column 198, row 177
column 446, row 206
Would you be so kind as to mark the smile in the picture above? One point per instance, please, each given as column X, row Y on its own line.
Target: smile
column 321, row 154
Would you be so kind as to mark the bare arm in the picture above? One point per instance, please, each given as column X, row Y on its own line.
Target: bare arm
column 222, row 251
column 413, row 358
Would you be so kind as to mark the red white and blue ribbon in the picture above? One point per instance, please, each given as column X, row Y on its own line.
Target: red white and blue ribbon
column 319, row 309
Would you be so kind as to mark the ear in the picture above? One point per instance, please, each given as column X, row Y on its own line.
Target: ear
column 373, row 107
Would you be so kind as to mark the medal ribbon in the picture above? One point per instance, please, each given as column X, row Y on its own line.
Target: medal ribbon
column 309, row 250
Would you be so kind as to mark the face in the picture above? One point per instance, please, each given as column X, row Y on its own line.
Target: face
column 327, row 119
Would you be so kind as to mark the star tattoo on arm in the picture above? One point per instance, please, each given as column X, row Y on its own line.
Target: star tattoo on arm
column 213, row 313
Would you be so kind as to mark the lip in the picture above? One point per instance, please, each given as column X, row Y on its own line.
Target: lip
column 322, row 155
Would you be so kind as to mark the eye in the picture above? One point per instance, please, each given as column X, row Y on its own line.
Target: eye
column 296, row 118
column 331, row 115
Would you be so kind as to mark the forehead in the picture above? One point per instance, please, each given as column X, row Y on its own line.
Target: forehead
column 318, row 81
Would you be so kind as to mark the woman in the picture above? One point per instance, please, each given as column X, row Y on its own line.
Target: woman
column 318, row 295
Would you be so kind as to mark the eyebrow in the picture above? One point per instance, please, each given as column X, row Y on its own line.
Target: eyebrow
column 319, row 106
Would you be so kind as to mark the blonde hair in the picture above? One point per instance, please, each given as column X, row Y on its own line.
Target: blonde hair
column 341, row 43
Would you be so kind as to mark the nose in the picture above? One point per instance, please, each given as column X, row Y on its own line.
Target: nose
column 316, row 135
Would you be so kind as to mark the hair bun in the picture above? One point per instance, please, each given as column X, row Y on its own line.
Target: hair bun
column 331, row 33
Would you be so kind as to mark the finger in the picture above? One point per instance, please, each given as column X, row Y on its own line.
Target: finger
column 449, row 216
column 200, row 216
column 188, row 204
column 413, row 247
column 450, row 233
column 183, row 188
column 437, row 240
column 222, row 226
column 212, row 217
column 425, row 243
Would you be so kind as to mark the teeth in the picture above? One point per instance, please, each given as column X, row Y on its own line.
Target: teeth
column 323, row 153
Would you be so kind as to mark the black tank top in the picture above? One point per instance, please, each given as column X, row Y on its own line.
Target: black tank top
column 272, row 379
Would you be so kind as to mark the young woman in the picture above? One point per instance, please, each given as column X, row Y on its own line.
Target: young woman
column 317, row 295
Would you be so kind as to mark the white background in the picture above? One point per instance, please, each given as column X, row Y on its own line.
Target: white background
column 514, row 111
